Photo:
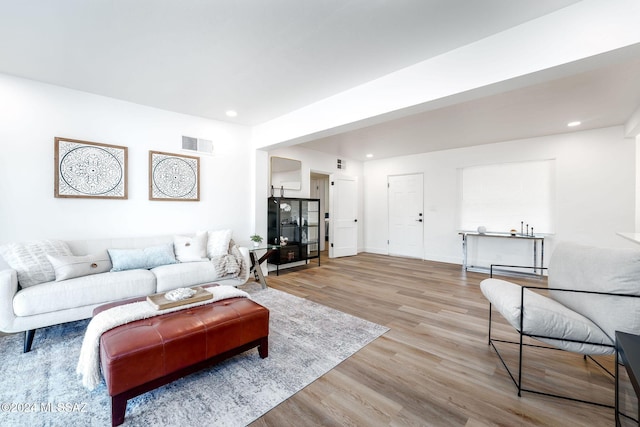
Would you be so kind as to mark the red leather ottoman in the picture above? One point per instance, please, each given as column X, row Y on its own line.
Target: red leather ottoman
column 145, row 354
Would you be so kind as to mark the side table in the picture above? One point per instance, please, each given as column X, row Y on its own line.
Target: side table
column 255, row 263
column 628, row 352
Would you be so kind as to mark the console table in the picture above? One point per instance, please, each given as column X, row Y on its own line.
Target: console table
column 534, row 239
column 628, row 352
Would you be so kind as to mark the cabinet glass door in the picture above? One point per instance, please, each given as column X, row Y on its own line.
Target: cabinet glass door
column 311, row 212
column 289, row 219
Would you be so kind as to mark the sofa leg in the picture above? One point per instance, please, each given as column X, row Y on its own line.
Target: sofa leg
column 28, row 339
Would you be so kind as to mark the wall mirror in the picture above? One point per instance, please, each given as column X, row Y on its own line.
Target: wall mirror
column 286, row 173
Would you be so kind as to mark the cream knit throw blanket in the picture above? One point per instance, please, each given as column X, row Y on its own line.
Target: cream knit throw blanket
column 89, row 362
column 232, row 263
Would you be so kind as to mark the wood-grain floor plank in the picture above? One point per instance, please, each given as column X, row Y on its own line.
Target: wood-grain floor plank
column 434, row 367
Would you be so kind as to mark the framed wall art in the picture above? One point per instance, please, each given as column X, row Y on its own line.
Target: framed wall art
column 91, row 170
column 174, row 177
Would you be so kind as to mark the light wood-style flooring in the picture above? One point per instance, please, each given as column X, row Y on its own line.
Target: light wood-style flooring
column 434, row 366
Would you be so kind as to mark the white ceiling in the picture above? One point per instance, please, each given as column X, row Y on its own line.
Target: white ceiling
column 267, row 58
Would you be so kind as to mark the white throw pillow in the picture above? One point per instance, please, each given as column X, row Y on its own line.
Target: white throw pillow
column 29, row 259
column 69, row 266
column 191, row 249
column 218, row 243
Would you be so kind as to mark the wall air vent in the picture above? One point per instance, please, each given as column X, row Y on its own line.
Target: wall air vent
column 205, row 146
column 341, row 164
column 189, row 143
column 197, row 144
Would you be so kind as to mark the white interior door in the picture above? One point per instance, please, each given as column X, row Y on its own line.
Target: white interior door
column 343, row 216
column 406, row 215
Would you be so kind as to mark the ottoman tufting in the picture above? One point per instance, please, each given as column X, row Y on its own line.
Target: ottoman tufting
column 145, row 354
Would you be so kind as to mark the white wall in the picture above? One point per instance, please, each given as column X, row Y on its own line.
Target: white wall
column 595, row 176
column 595, row 189
column 32, row 114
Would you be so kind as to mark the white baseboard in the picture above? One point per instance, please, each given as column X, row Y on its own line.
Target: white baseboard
column 377, row 251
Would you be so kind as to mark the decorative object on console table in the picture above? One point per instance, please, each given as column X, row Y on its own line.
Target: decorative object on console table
column 90, row 170
column 174, row 177
column 294, row 224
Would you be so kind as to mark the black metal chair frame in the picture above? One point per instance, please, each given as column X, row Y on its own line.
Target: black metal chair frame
column 521, row 344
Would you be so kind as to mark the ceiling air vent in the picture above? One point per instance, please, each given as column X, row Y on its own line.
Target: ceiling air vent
column 196, row 144
column 341, row 164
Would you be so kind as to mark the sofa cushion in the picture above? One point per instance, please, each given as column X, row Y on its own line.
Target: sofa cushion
column 575, row 266
column 191, row 249
column 29, row 259
column 70, row 266
column 83, row 291
column 218, row 243
column 132, row 259
column 545, row 317
column 170, row 277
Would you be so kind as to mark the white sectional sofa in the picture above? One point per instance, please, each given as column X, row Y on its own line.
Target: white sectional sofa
column 49, row 282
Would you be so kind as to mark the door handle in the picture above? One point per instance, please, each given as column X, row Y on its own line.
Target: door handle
column 355, row 220
column 419, row 220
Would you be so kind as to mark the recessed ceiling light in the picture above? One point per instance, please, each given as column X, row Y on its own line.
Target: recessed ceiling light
column 574, row 124
column 231, row 113
column 369, row 156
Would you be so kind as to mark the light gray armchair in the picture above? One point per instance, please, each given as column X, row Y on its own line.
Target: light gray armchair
column 592, row 292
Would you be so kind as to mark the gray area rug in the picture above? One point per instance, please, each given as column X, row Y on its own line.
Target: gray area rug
column 306, row 340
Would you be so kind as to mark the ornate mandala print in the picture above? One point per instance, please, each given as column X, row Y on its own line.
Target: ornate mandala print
column 174, row 177
column 90, row 170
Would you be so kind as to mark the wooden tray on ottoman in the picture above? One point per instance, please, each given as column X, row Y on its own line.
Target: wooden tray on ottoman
column 159, row 302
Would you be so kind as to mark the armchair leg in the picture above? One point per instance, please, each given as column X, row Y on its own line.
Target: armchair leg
column 520, row 365
column 489, row 323
column 28, row 339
